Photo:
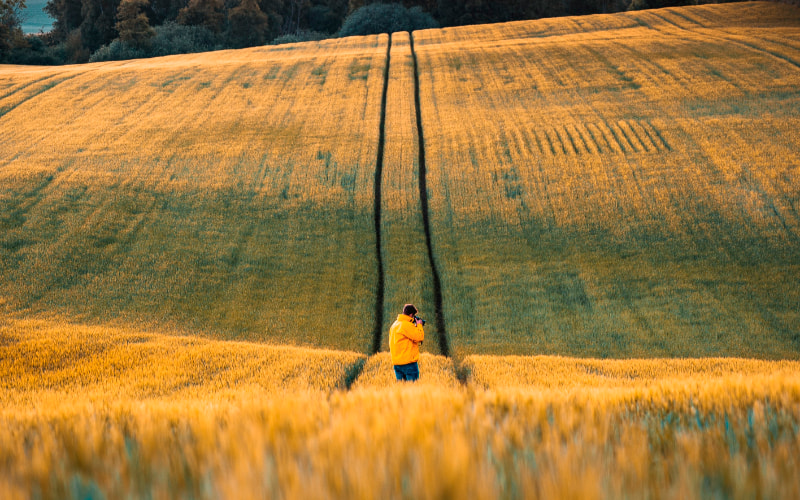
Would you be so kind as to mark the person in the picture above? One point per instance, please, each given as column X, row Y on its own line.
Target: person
column 405, row 336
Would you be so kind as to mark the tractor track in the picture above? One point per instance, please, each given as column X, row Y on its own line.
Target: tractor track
column 444, row 345
column 377, row 332
column 377, row 328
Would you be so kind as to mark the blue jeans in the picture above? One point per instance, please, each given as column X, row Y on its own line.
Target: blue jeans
column 407, row 372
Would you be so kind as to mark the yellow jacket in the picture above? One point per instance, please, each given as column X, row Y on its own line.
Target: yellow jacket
column 404, row 340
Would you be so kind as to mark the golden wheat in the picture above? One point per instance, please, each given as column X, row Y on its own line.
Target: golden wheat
column 228, row 192
column 51, row 359
column 106, row 412
column 618, row 186
column 418, row 441
column 555, row 372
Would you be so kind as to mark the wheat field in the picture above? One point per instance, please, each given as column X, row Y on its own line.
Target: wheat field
column 99, row 412
column 636, row 175
column 228, row 192
column 200, row 256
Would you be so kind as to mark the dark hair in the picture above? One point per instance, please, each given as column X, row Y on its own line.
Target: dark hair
column 409, row 310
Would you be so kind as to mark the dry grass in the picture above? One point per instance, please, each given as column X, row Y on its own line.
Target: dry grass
column 435, row 371
column 555, row 372
column 618, row 186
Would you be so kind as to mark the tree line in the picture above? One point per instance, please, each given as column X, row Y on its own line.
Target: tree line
column 92, row 30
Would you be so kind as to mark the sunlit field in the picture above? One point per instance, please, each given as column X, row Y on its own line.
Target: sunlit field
column 607, row 186
column 228, row 192
column 201, row 255
column 94, row 412
column 618, row 186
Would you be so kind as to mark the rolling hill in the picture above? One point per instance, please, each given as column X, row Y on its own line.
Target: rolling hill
column 616, row 186
column 200, row 254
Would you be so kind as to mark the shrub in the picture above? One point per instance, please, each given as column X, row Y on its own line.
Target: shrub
column 386, row 18
column 173, row 38
column 323, row 18
column 170, row 38
column 32, row 51
column 117, row 51
column 300, row 36
column 31, row 57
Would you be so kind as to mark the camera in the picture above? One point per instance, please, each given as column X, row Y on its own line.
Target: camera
column 417, row 318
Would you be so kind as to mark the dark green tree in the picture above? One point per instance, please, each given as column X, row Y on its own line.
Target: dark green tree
column 132, row 24
column 426, row 5
column 460, row 12
column 207, row 13
column 67, row 15
column 10, row 31
column 325, row 16
column 247, row 25
column 275, row 12
column 164, row 11
column 98, row 24
column 293, row 14
column 386, row 18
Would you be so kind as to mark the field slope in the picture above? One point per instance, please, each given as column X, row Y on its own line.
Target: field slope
column 228, row 193
column 610, row 186
column 618, row 186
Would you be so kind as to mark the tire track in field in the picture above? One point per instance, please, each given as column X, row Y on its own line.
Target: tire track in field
column 379, row 292
column 19, row 88
column 45, row 84
column 731, row 39
column 444, row 346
